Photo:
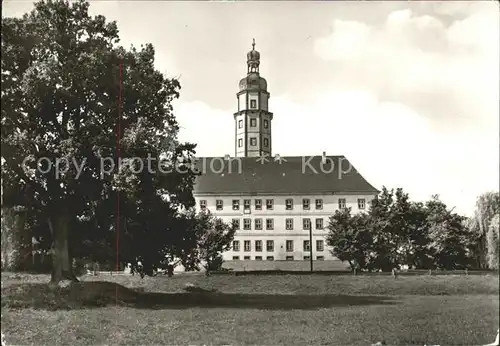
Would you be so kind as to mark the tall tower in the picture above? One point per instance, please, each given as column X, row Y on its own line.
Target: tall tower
column 252, row 121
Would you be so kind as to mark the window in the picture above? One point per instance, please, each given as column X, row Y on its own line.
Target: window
column 320, row 258
column 246, row 258
column 236, row 204
column 306, row 204
column 289, row 204
column 236, row 258
column 306, row 223
column 258, row 258
column 269, row 204
column 258, row 204
column 270, row 245
column 320, row 246
column 319, row 223
column 236, row 223
column 253, row 122
column 247, row 224
column 253, row 104
column 319, row 204
column 361, row 203
column 289, row 258
column 247, row 246
column 289, row 245
column 270, row 258
column 307, row 245
column 266, row 142
column 246, row 204
column 289, row 224
column 240, row 124
column 266, row 124
column 341, row 203
column 240, row 142
column 203, row 204
column 269, row 224
column 307, row 258
column 219, row 204
column 258, row 224
column 258, row 245
column 253, row 142
column 236, row 245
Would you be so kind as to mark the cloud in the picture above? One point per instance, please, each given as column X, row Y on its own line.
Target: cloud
column 447, row 72
column 422, row 112
column 211, row 129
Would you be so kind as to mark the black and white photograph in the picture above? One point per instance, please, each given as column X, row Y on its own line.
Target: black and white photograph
column 250, row 172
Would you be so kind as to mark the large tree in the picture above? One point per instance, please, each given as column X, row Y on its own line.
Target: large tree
column 448, row 236
column 392, row 216
column 73, row 104
column 351, row 238
column 483, row 224
column 493, row 242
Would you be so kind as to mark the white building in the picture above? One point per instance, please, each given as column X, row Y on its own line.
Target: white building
column 276, row 200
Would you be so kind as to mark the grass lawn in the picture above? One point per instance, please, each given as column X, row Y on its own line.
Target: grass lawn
column 263, row 310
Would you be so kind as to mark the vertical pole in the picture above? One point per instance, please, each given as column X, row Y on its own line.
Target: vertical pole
column 311, row 247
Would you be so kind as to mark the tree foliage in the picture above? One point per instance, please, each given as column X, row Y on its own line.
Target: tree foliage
column 206, row 237
column 396, row 232
column 74, row 98
column 492, row 242
column 448, row 236
column 350, row 238
column 484, row 225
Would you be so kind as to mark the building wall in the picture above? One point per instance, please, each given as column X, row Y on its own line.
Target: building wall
column 279, row 214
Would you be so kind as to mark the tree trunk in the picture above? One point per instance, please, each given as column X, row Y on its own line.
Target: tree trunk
column 61, row 261
column 207, row 268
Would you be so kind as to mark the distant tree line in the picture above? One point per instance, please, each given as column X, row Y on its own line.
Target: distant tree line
column 397, row 232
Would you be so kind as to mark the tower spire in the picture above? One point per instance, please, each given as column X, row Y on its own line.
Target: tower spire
column 253, row 59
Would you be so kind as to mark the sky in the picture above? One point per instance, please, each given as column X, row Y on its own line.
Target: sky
column 407, row 91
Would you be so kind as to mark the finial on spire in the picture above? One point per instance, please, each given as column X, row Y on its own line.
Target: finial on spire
column 253, row 44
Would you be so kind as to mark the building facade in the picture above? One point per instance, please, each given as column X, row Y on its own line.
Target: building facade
column 279, row 204
column 276, row 227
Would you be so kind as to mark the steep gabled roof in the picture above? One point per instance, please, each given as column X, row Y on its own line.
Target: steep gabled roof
column 294, row 175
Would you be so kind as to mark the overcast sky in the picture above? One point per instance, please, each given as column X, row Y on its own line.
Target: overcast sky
column 409, row 92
